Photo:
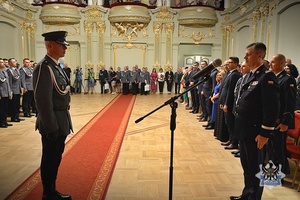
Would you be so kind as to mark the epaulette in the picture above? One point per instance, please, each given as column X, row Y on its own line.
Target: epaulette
column 268, row 71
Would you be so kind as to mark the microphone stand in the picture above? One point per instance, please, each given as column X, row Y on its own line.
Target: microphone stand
column 173, row 106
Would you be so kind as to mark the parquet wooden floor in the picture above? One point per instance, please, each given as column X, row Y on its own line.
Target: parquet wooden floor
column 202, row 168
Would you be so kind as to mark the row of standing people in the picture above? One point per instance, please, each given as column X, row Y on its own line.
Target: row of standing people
column 251, row 111
column 15, row 84
column 126, row 81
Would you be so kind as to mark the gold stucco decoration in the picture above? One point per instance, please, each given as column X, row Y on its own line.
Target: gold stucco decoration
column 94, row 13
column 164, row 14
column 129, row 30
column 197, row 35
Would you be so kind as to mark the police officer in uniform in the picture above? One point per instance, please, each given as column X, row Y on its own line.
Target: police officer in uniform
column 125, row 79
column 286, row 117
column 255, row 113
column 26, row 80
column 15, row 83
column 134, row 79
column 5, row 95
column 52, row 98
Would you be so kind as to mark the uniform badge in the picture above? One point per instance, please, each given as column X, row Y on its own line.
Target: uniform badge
column 292, row 85
column 270, row 175
column 270, row 82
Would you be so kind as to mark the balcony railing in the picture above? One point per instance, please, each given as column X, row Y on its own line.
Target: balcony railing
column 176, row 4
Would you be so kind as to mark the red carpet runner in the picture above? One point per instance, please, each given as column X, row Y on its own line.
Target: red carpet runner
column 89, row 157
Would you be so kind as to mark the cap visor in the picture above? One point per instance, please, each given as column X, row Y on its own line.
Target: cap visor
column 63, row 43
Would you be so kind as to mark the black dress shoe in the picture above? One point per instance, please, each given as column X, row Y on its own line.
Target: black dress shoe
column 209, row 128
column 236, row 197
column 231, row 147
column 27, row 115
column 235, row 152
column 57, row 196
column 3, row 126
column 205, row 125
column 238, row 155
column 226, row 143
column 7, row 124
column 20, row 119
column 15, row 120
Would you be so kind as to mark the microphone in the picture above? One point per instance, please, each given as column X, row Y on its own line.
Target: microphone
column 216, row 63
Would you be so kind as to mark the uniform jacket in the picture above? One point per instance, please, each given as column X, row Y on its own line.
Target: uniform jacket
column 53, row 107
column 228, row 85
column 26, row 78
column 5, row 90
column 134, row 76
column 14, row 80
column 144, row 77
column 287, row 92
column 258, row 105
column 125, row 76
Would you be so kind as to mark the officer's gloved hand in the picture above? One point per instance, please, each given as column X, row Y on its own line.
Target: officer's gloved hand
column 52, row 136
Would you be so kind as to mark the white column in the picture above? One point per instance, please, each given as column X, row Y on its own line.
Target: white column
column 226, row 3
column 159, row 3
column 100, row 2
column 90, row 2
column 168, row 3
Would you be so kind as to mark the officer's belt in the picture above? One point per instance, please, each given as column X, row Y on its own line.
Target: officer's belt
column 61, row 108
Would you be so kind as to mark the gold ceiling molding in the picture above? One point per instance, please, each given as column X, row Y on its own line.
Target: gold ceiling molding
column 49, row 28
column 243, row 9
column 7, row 5
column 197, row 35
column 60, row 14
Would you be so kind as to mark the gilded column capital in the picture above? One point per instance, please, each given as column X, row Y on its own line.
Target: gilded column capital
column 29, row 27
column 100, row 27
column 88, row 27
column 169, row 27
column 256, row 15
column 164, row 14
column 227, row 29
column 264, row 10
column 157, row 27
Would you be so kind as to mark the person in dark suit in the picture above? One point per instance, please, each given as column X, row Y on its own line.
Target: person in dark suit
column 227, row 99
column 103, row 78
column 208, row 91
column 169, row 79
column 52, row 98
column 194, row 91
column 286, row 117
column 255, row 116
